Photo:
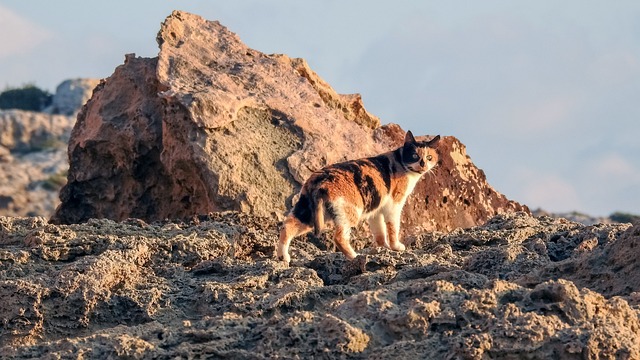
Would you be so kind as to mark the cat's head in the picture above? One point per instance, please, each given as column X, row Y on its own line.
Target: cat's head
column 419, row 156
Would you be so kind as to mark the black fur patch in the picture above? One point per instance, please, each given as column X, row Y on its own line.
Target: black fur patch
column 350, row 167
column 303, row 210
column 408, row 151
column 397, row 154
column 383, row 164
column 325, row 175
column 369, row 194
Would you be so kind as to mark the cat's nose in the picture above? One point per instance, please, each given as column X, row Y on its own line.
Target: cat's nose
column 422, row 163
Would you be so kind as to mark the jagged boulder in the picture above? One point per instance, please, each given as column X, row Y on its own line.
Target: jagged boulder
column 211, row 124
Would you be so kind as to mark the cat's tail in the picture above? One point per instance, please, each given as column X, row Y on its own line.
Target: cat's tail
column 318, row 216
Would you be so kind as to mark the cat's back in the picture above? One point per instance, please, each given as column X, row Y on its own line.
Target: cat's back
column 370, row 178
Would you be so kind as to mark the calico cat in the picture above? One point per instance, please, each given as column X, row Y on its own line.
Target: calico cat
column 373, row 188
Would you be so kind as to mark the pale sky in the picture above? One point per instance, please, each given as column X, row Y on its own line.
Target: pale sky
column 544, row 94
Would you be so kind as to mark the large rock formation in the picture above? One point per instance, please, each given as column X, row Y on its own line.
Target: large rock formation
column 213, row 125
column 211, row 289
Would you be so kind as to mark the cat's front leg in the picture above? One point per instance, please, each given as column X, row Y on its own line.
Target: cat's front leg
column 393, row 230
column 379, row 230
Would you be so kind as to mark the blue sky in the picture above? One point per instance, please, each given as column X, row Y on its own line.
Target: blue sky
column 544, row 94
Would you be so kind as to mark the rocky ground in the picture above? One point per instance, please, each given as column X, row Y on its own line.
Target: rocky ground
column 518, row 287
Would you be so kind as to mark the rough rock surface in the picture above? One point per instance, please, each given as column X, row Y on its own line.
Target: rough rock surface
column 517, row 287
column 213, row 125
column 33, row 162
column 71, row 95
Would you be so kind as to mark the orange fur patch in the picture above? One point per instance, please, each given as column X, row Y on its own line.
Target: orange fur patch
column 399, row 188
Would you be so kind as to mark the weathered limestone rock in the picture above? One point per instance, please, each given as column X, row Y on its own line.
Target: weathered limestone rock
column 213, row 125
column 606, row 262
column 71, row 95
column 33, row 165
column 33, row 145
column 27, row 131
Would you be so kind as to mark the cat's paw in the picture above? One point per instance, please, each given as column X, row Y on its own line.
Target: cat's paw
column 398, row 246
column 352, row 255
column 283, row 256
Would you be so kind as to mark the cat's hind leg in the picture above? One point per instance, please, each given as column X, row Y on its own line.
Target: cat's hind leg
column 346, row 216
column 291, row 227
column 341, row 239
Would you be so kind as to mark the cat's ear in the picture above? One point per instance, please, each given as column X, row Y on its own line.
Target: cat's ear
column 433, row 141
column 409, row 139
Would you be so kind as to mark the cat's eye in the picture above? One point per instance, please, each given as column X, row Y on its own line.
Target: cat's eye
column 415, row 156
column 429, row 157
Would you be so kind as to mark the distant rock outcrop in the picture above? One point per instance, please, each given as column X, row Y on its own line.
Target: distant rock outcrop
column 26, row 131
column 71, row 95
column 33, row 161
column 213, row 125
column 33, row 151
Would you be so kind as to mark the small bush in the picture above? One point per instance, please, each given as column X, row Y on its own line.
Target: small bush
column 624, row 217
column 55, row 181
column 28, row 97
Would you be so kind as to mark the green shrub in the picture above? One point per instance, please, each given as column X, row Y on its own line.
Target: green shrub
column 624, row 217
column 28, row 97
column 55, row 181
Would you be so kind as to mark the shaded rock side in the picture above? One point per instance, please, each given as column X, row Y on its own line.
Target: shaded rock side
column 213, row 125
